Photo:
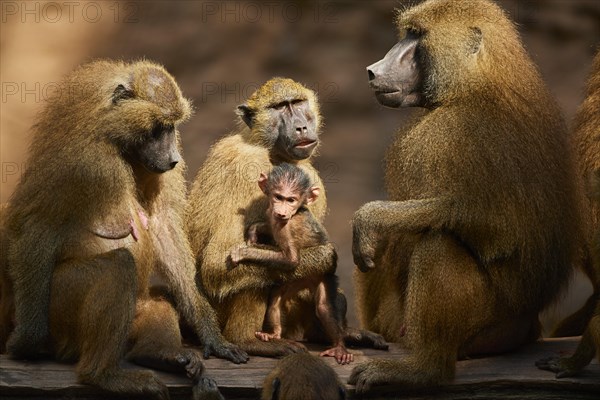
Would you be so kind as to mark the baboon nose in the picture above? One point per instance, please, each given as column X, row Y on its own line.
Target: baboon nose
column 173, row 164
column 301, row 130
column 371, row 74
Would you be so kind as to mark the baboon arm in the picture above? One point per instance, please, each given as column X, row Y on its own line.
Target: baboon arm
column 316, row 260
column 179, row 269
column 272, row 259
column 379, row 218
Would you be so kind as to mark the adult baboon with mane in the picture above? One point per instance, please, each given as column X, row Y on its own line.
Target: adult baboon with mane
column 96, row 216
column 480, row 231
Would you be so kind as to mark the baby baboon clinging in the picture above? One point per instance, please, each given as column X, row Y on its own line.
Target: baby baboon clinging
column 302, row 377
column 480, row 231
column 587, row 141
column 95, row 217
column 282, row 124
column 292, row 227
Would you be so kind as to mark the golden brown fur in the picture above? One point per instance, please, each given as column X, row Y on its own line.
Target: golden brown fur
column 225, row 200
column 481, row 231
column 587, row 141
column 89, row 226
column 302, row 377
column 587, row 147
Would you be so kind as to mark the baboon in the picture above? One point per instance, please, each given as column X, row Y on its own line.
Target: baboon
column 7, row 307
column 317, row 380
column 587, row 139
column 97, row 215
column 481, row 227
column 586, row 136
column 281, row 123
column 292, row 227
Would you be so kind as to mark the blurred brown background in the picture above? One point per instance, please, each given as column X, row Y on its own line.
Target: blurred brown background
column 221, row 51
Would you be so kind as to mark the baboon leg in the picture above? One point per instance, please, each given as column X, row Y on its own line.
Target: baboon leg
column 247, row 312
column 91, row 311
column 389, row 280
column 586, row 350
column 156, row 340
column 7, row 312
column 447, row 300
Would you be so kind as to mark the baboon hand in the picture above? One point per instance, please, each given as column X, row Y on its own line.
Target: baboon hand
column 364, row 239
column 226, row 350
column 236, row 255
column 252, row 235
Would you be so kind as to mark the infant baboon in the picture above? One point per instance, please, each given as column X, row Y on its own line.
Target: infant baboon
column 481, row 228
column 97, row 215
column 302, row 377
column 293, row 227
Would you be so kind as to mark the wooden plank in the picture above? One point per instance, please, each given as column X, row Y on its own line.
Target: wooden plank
column 511, row 376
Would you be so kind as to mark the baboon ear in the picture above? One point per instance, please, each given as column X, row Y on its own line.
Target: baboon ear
column 121, row 92
column 262, row 182
column 476, row 40
column 246, row 113
column 276, row 386
column 313, row 194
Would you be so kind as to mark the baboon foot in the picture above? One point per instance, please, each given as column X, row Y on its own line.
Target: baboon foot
column 132, row 383
column 340, row 353
column 206, row 389
column 563, row 367
column 181, row 360
column 363, row 338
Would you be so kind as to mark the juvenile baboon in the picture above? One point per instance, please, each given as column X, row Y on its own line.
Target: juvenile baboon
column 317, row 380
column 99, row 213
column 282, row 124
column 480, row 231
column 291, row 226
column 587, row 141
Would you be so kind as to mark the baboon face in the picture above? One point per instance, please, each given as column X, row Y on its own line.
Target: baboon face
column 295, row 125
column 283, row 116
column 397, row 78
column 290, row 127
column 158, row 151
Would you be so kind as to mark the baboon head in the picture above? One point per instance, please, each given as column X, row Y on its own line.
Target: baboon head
column 288, row 188
column 440, row 58
column 141, row 116
column 284, row 117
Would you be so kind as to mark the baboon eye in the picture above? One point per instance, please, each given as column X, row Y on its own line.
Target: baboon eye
column 280, row 106
column 279, row 197
column 297, row 101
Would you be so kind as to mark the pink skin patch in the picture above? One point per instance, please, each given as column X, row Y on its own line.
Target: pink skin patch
column 134, row 231
column 143, row 219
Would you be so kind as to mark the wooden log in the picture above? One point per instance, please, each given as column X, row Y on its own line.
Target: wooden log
column 510, row 376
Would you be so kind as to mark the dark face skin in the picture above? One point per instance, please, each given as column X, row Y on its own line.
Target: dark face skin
column 296, row 127
column 158, row 153
column 293, row 127
column 396, row 79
